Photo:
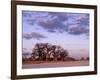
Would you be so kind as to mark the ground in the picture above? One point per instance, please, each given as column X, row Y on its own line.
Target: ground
column 41, row 64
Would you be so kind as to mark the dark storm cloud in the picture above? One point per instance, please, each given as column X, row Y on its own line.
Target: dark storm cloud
column 61, row 16
column 31, row 21
column 54, row 23
column 78, row 30
column 82, row 26
column 33, row 35
column 84, row 20
column 26, row 14
column 59, row 21
column 52, row 31
column 51, row 24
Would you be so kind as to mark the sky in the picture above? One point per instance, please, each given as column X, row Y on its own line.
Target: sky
column 69, row 30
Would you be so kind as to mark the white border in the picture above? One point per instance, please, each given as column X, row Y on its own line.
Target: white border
column 21, row 71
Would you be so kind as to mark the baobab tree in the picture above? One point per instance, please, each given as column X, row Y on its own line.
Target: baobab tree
column 48, row 52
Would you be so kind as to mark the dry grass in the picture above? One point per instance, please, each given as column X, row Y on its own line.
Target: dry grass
column 39, row 62
column 46, row 64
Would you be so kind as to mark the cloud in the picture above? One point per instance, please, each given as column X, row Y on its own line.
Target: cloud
column 31, row 21
column 63, row 22
column 51, row 24
column 52, row 31
column 59, row 15
column 26, row 14
column 78, row 30
column 35, row 35
column 32, row 17
column 83, row 20
column 80, row 25
column 54, row 22
column 72, row 23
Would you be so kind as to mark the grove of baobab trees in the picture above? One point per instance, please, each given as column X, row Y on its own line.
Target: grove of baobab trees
column 48, row 52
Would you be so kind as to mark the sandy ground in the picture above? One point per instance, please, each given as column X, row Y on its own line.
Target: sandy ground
column 56, row 64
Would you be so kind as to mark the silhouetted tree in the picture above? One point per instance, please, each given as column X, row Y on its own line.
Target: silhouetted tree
column 87, row 58
column 82, row 58
column 46, row 51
